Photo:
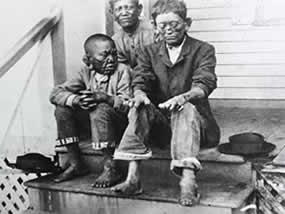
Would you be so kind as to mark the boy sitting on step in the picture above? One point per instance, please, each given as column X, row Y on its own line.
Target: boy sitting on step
column 99, row 93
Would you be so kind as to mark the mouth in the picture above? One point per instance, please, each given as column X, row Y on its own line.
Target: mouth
column 125, row 20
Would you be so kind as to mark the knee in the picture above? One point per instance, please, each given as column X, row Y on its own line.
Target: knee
column 189, row 111
column 63, row 112
column 102, row 111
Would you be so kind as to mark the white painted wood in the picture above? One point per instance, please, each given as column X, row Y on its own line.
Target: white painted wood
column 251, row 82
column 250, row 70
column 249, row 47
column 207, row 3
column 239, row 36
column 249, row 93
column 251, row 58
column 209, row 13
column 227, row 24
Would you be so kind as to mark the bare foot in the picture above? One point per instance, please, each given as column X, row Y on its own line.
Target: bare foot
column 128, row 188
column 69, row 173
column 189, row 195
column 108, row 178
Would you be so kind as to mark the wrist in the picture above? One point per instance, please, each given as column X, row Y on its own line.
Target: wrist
column 140, row 93
column 76, row 101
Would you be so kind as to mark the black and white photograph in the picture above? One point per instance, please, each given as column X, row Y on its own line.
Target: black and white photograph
column 142, row 107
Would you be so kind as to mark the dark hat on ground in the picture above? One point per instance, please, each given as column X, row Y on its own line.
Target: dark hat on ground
column 248, row 144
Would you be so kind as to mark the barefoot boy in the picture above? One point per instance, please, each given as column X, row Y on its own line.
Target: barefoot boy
column 99, row 93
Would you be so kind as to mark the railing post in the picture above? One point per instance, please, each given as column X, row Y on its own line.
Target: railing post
column 58, row 52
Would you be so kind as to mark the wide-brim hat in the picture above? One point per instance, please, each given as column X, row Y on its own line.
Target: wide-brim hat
column 248, row 144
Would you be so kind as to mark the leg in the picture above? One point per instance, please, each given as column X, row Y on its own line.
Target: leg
column 105, row 123
column 134, row 145
column 68, row 137
column 132, row 185
column 185, row 144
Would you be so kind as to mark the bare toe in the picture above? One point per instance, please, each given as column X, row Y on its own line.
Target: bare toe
column 107, row 179
column 128, row 188
column 189, row 195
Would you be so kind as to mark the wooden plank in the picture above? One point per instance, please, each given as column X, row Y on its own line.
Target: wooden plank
column 215, row 192
column 249, row 93
column 238, row 36
column 21, row 47
column 250, row 70
column 209, row 13
column 214, row 25
column 250, row 58
column 58, row 53
column 280, row 159
column 227, row 24
column 207, row 4
column 250, row 47
column 251, row 82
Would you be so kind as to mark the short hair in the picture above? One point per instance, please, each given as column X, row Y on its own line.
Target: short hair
column 98, row 37
column 112, row 2
column 166, row 6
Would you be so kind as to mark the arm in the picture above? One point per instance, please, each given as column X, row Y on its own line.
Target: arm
column 204, row 77
column 68, row 90
column 203, row 80
column 144, row 77
column 121, row 99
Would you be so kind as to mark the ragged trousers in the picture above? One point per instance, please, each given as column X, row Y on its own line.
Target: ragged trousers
column 187, row 130
column 103, row 125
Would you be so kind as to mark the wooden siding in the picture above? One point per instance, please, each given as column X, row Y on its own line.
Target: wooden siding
column 250, row 58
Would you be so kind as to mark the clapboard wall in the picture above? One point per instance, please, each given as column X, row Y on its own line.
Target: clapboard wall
column 250, row 57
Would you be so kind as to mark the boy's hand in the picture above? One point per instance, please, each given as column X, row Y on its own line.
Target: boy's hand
column 78, row 102
column 93, row 98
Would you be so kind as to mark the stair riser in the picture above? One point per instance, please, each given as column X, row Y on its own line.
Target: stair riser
column 161, row 168
column 74, row 203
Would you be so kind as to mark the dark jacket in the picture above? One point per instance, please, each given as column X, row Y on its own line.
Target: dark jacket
column 161, row 80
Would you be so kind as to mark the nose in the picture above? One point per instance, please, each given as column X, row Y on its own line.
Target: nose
column 124, row 11
column 110, row 58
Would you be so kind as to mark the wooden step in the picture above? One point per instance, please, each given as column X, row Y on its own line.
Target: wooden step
column 160, row 197
column 215, row 164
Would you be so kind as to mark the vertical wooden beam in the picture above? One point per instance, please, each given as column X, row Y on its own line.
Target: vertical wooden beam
column 58, row 52
column 109, row 28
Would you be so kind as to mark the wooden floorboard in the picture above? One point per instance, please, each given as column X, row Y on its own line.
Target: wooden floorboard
column 215, row 192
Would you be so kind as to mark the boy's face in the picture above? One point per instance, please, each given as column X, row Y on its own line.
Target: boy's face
column 126, row 12
column 103, row 56
column 172, row 27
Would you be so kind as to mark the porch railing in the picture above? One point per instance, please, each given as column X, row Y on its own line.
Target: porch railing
column 13, row 194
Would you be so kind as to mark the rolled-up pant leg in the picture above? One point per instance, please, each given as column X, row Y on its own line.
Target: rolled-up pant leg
column 190, row 130
column 72, row 125
column 134, row 143
column 107, row 126
column 186, row 138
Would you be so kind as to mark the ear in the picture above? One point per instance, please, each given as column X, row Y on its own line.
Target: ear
column 140, row 7
column 188, row 22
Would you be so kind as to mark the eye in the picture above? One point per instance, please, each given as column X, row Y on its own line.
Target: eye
column 174, row 24
column 118, row 9
column 161, row 25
